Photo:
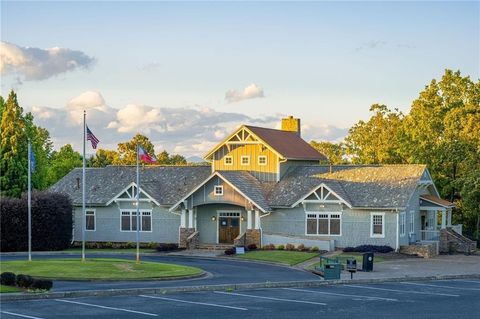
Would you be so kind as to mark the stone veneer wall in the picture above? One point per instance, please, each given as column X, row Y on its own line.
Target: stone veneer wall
column 250, row 236
column 452, row 242
column 184, row 234
column 427, row 250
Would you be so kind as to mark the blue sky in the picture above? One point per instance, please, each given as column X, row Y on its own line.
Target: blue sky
column 325, row 62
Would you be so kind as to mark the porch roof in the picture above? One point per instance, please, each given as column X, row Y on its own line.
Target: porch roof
column 436, row 200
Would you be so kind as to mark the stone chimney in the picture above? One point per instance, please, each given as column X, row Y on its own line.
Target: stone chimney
column 291, row 124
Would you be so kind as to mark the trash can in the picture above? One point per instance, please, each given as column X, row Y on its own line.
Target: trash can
column 332, row 271
column 367, row 262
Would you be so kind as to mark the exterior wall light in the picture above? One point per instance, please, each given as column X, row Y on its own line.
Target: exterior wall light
column 214, row 218
column 242, row 219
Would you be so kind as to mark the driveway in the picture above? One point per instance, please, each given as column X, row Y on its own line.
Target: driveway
column 220, row 271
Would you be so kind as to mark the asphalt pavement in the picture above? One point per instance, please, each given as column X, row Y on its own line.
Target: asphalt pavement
column 219, row 271
column 426, row 299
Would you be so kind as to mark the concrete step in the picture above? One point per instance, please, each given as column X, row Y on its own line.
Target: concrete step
column 214, row 246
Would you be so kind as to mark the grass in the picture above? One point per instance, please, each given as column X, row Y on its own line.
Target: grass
column 97, row 269
column 7, row 289
column 279, row 256
column 110, row 250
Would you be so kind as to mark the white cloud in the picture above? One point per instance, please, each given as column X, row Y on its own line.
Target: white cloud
column 250, row 92
column 371, row 45
column 39, row 64
column 186, row 130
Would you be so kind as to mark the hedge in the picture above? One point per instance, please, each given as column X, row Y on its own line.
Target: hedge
column 52, row 215
column 368, row 248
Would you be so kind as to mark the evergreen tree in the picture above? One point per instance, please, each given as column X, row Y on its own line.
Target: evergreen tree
column 13, row 149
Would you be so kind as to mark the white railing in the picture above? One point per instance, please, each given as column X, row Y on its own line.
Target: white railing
column 429, row 235
column 457, row 228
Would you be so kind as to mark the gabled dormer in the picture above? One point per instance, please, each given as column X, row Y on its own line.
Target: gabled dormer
column 266, row 153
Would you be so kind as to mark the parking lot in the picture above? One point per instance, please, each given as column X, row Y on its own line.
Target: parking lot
column 426, row 299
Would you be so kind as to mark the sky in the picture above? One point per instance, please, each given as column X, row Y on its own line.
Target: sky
column 186, row 74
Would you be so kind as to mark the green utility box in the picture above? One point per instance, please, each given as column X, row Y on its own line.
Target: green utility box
column 332, row 271
column 329, row 268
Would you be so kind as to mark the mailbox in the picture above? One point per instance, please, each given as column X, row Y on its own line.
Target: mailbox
column 352, row 265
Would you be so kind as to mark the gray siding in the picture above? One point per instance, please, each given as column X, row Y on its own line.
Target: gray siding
column 355, row 225
column 205, row 195
column 164, row 225
column 207, row 228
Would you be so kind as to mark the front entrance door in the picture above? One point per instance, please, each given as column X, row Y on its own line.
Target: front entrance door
column 228, row 229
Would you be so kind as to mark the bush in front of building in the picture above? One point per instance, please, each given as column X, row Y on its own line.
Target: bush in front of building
column 52, row 216
column 24, row 281
column 230, row 251
column 269, row 247
column 368, row 249
column 289, row 247
column 280, row 247
column 252, row 247
column 314, row 249
column 8, row 278
column 167, row 247
column 41, row 284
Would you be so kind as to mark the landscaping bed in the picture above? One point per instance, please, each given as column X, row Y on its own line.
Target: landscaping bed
column 98, row 269
column 279, row 256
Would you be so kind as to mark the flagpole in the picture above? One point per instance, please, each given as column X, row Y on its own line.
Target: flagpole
column 83, row 188
column 138, row 211
column 29, row 200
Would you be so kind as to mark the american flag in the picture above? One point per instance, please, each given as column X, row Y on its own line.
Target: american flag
column 92, row 138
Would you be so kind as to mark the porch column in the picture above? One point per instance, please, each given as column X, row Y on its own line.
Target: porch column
column 249, row 219
column 444, row 218
column 190, row 218
column 195, row 218
column 449, row 217
column 183, row 219
column 257, row 219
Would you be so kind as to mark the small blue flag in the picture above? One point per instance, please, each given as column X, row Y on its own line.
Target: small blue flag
column 32, row 160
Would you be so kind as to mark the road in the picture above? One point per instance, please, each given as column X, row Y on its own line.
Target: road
column 428, row 299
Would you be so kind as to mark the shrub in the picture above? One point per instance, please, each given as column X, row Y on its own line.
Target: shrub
column 51, row 222
column 280, row 247
column 230, row 251
column 42, row 284
column 314, row 249
column 8, row 278
column 289, row 247
column 301, row 247
column 269, row 247
column 368, row 248
column 24, row 281
column 167, row 247
column 252, row 247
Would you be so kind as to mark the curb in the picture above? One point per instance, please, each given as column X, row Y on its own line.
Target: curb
column 224, row 287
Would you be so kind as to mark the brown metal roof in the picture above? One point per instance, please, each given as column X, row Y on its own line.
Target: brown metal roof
column 288, row 144
column 437, row 200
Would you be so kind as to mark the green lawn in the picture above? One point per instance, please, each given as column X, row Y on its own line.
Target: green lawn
column 5, row 289
column 110, row 250
column 279, row 256
column 97, row 268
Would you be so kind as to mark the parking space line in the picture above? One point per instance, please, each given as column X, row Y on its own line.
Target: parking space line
column 403, row 291
column 472, row 281
column 19, row 315
column 438, row 286
column 270, row 298
column 342, row 295
column 105, row 307
column 194, row 302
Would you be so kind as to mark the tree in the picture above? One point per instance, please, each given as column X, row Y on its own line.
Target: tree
column 442, row 130
column 13, row 149
column 178, row 160
column 376, row 141
column 63, row 162
column 335, row 152
column 470, row 192
column 103, row 158
column 127, row 151
column 163, row 158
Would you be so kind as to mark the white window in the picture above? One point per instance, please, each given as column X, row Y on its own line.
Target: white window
column 128, row 220
column 329, row 224
column 228, row 160
column 402, row 224
column 245, row 160
column 377, row 227
column 218, row 190
column 412, row 222
column 262, row 160
column 90, row 220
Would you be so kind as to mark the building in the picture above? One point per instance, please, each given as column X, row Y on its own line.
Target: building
column 263, row 186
